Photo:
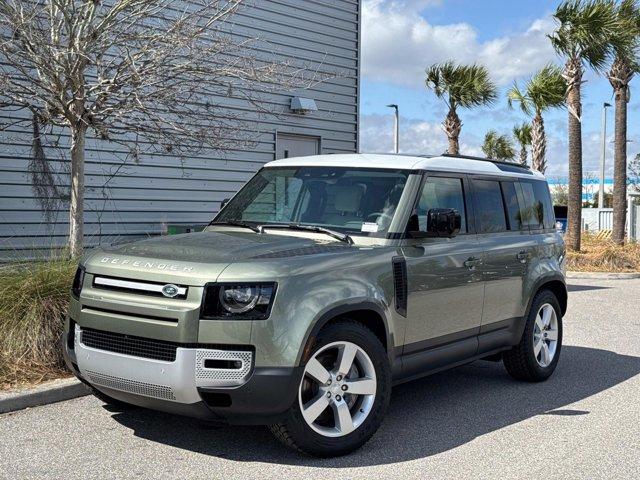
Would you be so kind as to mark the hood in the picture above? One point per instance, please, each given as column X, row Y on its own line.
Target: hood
column 199, row 258
column 224, row 247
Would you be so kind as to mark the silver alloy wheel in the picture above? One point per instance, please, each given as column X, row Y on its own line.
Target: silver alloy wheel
column 545, row 335
column 338, row 389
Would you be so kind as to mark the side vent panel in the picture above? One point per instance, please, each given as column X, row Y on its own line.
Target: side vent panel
column 400, row 284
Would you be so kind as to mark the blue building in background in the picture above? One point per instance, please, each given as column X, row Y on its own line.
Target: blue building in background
column 590, row 185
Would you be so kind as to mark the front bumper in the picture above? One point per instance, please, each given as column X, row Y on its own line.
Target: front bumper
column 186, row 386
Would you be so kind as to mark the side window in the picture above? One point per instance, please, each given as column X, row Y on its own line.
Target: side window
column 489, row 209
column 544, row 207
column 527, row 207
column 537, row 212
column 441, row 192
column 513, row 207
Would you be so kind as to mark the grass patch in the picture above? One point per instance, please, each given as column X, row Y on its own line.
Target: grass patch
column 33, row 301
column 599, row 255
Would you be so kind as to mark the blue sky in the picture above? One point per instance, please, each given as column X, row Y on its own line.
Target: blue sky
column 402, row 37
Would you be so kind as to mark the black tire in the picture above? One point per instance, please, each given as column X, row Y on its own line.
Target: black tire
column 294, row 431
column 112, row 402
column 520, row 361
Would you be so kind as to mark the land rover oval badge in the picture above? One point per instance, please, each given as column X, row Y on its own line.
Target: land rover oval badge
column 170, row 290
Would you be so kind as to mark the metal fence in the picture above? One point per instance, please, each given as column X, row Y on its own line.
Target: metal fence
column 634, row 222
column 597, row 219
column 601, row 219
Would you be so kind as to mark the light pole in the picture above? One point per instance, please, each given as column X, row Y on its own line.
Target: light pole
column 396, row 132
column 603, row 154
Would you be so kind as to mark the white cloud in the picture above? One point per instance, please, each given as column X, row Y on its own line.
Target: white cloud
column 399, row 43
column 416, row 136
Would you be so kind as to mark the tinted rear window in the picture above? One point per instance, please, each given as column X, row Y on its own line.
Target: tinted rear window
column 537, row 212
column 489, row 206
column 513, row 207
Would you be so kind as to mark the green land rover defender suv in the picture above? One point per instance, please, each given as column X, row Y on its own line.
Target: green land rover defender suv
column 322, row 283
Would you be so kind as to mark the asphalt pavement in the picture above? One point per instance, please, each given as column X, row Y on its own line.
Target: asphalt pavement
column 470, row 422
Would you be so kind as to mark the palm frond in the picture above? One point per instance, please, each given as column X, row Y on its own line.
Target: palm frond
column 461, row 85
column 587, row 31
column 545, row 89
column 627, row 44
column 522, row 134
column 516, row 95
column 498, row 147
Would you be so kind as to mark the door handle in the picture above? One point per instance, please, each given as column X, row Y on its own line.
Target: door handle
column 472, row 262
column 523, row 256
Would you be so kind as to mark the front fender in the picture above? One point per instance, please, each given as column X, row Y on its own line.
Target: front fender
column 342, row 309
column 303, row 305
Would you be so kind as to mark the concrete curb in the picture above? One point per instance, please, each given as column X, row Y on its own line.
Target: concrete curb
column 603, row 275
column 49, row 392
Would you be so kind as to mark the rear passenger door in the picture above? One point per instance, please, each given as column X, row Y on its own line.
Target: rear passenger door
column 538, row 216
column 507, row 248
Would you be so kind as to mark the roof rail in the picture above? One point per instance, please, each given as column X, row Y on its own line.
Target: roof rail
column 491, row 160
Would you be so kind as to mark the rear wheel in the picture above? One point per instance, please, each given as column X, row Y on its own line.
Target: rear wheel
column 535, row 358
column 343, row 393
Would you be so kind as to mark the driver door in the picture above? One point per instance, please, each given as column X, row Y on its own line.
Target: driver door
column 445, row 287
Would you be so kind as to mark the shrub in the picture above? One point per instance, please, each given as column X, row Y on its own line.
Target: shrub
column 601, row 255
column 33, row 302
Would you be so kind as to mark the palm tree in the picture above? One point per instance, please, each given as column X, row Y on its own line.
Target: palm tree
column 545, row 90
column 498, row 147
column 522, row 134
column 584, row 36
column 459, row 86
column 622, row 69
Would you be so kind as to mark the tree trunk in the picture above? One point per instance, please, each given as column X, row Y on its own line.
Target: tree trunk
column 620, row 168
column 619, row 76
column 452, row 126
column 76, row 206
column 573, row 76
column 538, row 144
column 523, row 155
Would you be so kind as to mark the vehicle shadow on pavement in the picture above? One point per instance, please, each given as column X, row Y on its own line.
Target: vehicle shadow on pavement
column 426, row 417
column 583, row 288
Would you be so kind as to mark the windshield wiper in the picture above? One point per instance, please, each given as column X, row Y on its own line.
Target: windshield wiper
column 343, row 237
column 237, row 223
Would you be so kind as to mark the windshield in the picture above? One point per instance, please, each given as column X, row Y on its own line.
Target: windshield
column 354, row 200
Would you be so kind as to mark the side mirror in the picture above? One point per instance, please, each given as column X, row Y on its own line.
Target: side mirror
column 224, row 202
column 441, row 222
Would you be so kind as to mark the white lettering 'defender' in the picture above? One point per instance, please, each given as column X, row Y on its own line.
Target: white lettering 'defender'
column 149, row 265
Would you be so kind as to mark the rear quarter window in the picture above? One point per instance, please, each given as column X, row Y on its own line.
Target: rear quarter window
column 537, row 210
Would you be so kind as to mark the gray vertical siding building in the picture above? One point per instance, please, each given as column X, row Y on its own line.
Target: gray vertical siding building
column 127, row 200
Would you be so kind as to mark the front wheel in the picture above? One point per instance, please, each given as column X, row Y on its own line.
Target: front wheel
column 343, row 393
column 535, row 358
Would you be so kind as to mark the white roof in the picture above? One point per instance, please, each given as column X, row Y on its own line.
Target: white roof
column 404, row 162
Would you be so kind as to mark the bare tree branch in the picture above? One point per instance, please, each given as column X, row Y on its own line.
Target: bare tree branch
column 139, row 72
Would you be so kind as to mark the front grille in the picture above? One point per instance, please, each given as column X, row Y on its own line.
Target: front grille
column 137, row 287
column 131, row 386
column 129, row 345
column 108, row 311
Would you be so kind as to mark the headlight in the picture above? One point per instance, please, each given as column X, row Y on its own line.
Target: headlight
column 78, row 280
column 240, row 301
